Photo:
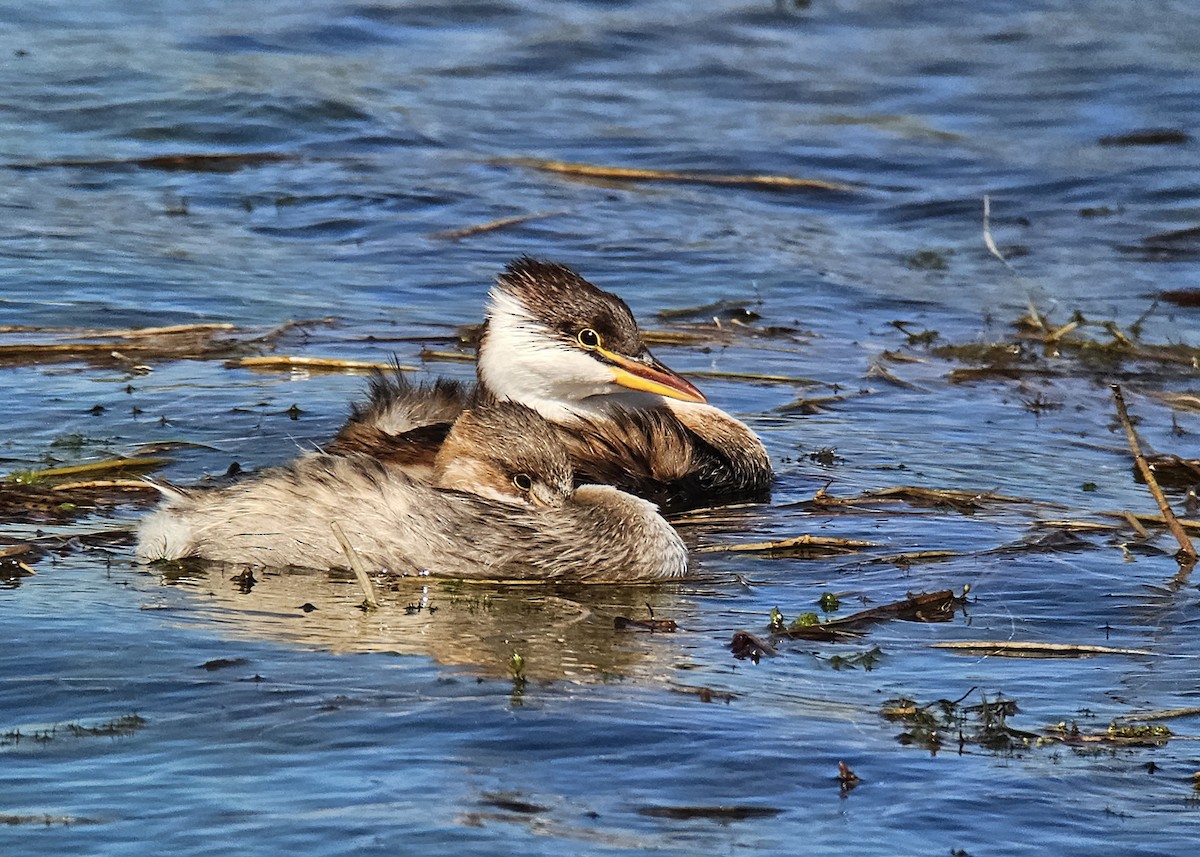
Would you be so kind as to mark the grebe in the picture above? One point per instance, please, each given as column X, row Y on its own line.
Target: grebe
column 502, row 505
column 573, row 352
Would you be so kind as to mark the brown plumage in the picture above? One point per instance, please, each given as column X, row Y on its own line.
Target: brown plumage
column 503, row 507
column 574, row 353
column 679, row 456
column 402, row 424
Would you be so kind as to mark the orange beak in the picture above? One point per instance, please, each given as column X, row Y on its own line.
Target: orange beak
column 649, row 376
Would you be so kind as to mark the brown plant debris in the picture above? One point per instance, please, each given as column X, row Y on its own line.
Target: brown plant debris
column 715, row 813
column 1118, row 734
column 371, row 599
column 913, row 558
column 1189, row 401
column 15, row 553
column 1042, row 348
column 46, row 820
column 1055, row 541
column 802, row 547
column 624, row 623
column 434, row 355
column 36, row 504
column 290, row 362
column 1172, row 471
column 948, row 722
column 1167, row 714
column 222, row 664
column 120, row 465
column 1189, row 298
column 511, row 802
column 700, row 337
column 755, row 377
column 877, row 370
column 631, row 174
column 494, row 225
column 9, row 551
column 132, row 347
column 925, row 607
column 847, row 779
column 747, row 645
column 1187, row 551
column 119, row 727
column 705, row 694
column 219, row 162
column 13, row 568
column 719, row 309
column 1148, row 137
column 1081, row 526
column 1025, row 649
column 1192, row 526
column 958, row 500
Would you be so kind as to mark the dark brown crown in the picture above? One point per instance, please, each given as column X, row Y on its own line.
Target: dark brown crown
column 567, row 303
column 514, row 439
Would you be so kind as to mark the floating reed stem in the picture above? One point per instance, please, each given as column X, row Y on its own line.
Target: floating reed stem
column 1186, row 549
column 364, row 580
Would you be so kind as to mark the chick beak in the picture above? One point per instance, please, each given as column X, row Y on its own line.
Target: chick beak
column 645, row 373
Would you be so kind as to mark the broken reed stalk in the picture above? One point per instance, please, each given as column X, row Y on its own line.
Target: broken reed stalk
column 633, row 174
column 372, row 599
column 988, row 241
column 297, row 361
column 1186, row 548
column 1021, row 648
column 493, row 225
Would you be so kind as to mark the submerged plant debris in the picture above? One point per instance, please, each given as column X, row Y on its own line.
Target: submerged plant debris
column 949, row 723
column 924, row 607
column 630, row 174
column 214, row 162
column 622, row 623
column 120, row 727
column 723, row 813
column 133, row 347
column 802, row 547
column 945, row 722
column 943, row 499
column 1024, row 649
column 1039, row 347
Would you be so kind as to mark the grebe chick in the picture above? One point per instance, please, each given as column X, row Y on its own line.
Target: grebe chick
column 503, row 506
column 558, row 344
column 402, row 424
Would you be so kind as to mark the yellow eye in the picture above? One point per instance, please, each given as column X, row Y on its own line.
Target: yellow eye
column 522, row 481
column 588, row 338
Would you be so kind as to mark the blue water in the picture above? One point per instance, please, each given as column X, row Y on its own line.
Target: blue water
column 339, row 732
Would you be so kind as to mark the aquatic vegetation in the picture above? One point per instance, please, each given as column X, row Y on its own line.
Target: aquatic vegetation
column 120, row 727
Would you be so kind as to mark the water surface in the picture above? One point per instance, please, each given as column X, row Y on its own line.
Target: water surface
column 337, row 732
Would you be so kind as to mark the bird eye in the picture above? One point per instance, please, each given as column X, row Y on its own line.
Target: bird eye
column 588, row 338
column 523, row 482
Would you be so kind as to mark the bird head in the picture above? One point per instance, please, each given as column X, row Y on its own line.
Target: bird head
column 507, row 452
column 555, row 342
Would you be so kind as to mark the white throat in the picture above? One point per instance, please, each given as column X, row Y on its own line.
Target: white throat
column 522, row 361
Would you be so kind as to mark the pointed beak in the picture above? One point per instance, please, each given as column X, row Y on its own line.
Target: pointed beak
column 649, row 376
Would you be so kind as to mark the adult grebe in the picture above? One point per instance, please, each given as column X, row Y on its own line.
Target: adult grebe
column 574, row 353
column 502, row 505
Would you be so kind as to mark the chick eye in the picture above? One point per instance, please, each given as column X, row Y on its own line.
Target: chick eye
column 588, row 338
column 523, row 482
